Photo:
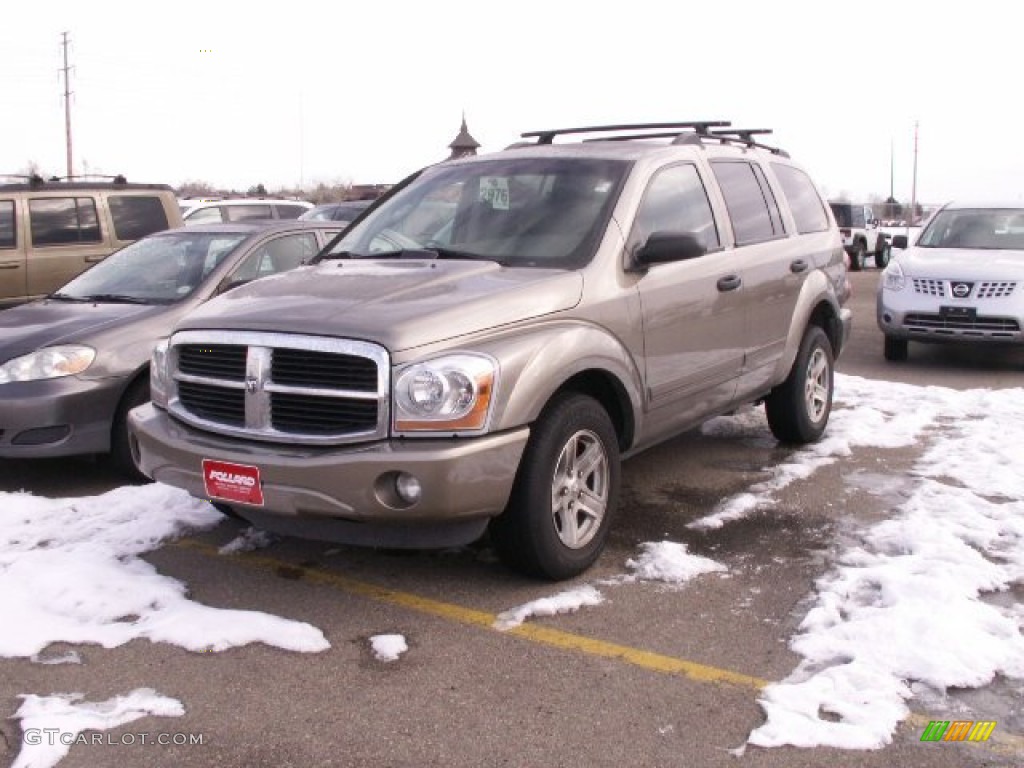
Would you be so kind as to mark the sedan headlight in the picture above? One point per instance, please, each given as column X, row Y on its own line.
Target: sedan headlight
column 451, row 393
column 892, row 277
column 159, row 375
column 48, row 363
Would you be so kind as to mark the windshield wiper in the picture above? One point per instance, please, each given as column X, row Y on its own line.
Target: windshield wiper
column 115, row 298
column 65, row 297
column 430, row 253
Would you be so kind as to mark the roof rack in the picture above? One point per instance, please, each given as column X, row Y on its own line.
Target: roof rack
column 745, row 136
column 700, row 126
column 117, row 178
column 35, row 180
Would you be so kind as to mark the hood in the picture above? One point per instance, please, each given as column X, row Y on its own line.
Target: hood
column 962, row 264
column 44, row 323
column 399, row 304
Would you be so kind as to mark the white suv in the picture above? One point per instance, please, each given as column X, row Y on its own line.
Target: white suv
column 244, row 209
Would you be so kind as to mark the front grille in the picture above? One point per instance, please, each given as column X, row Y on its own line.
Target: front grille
column 279, row 387
column 997, row 290
column 977, row 326
column 930, row 287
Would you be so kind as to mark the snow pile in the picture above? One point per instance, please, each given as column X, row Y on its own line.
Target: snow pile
column 569, row 601
column 669, row 561
column 70, row 572
column 388, row 647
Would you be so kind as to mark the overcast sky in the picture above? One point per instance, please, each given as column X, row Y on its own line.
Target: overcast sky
column 236, row 93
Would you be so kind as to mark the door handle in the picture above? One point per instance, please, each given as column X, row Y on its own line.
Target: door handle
column 9, row 264
column 729, row 283
column 94, row 259
column 797, row 266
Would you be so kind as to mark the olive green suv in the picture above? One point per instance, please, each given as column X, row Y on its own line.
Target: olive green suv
column 484, row 345
column 50, row 231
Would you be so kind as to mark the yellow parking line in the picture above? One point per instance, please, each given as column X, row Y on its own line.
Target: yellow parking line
column 655, row 662
column 1001, row 741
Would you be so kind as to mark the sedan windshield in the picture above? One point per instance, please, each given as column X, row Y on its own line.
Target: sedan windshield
column 975, row 228
column 160, row 269
column 530, row 212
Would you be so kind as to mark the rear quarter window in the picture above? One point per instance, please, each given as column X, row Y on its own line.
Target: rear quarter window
column 290, row 211
column 748, row 202
column 63, row 221
column 804, row 201
column 136, row 216
column 247, row 212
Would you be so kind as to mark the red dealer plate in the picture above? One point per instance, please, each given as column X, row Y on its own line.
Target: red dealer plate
column 232, row 482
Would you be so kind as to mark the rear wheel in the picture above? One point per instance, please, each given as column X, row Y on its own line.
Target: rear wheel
column 857, row 257
column 120, row 451
column 798, row 409
column 896, row 349
column 566, row 492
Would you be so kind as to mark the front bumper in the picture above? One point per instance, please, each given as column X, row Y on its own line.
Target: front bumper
column 57, row 417
column 346, row 493
column 906, row 314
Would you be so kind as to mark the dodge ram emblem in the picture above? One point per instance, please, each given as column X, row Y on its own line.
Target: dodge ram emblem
column 961, row 290
column 252, row 384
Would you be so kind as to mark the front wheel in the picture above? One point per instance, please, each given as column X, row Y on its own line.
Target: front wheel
column 798, row 409
column 896, row 349
column 882, row 256
column 120, row 447
column 566, row 492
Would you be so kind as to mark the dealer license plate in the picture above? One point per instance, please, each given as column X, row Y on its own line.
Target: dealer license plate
column 233, row 482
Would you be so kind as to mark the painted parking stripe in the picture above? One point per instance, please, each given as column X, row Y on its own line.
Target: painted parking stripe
column 1002, row 742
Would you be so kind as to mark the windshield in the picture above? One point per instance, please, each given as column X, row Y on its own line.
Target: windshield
column 157, row 270
column 978, row 228
column 523, row 212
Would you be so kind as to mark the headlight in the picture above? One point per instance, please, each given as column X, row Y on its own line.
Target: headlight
column 892, row 277
column 159, row 376
column 48, row 363
column 445, row 394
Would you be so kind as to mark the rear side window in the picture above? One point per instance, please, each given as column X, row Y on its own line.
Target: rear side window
column 290, row 211
column 753, row 221
column 8, row 234
column 63, row 220
column 136, row 216
column 804, row 202
column 247, row 212
column 204, row 216
column 676, row 201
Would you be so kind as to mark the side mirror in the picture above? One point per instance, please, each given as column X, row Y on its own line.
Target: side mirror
column 899, row 241
column 663, row 247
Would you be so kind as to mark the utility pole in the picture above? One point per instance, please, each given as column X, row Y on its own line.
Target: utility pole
column 913, row 186
column 67, row 101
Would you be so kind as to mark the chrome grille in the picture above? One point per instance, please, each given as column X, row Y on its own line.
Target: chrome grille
column 279, row 387
column 995, row 290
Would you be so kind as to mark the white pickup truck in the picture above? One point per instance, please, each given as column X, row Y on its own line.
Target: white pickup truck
column 861, row 235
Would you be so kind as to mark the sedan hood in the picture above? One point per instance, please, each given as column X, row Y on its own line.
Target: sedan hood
column 962, row 264
column 398, row 304
column 28, row 327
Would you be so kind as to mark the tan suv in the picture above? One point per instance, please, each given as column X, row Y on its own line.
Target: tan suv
column 485, row 345
column 50, row 231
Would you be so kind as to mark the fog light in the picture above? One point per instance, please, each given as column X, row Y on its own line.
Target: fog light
column 408, row 488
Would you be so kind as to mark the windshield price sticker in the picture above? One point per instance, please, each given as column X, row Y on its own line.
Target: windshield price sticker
column 232, row 482
column 494, row 190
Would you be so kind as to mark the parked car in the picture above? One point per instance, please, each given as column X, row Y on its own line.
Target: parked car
column 485, row 344
column 861, row 234
column 244, row 209
column 73, row 364
column 961, row 281
column 51, row 231
column 341, row 212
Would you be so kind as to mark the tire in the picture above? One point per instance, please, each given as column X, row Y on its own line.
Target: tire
column 120, row 451
column 882, row 256
column 545, row 531
column 857, row 257
column 896, row 350
column 798, row 409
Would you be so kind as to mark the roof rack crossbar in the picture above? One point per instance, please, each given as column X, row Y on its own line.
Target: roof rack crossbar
column 700, row 126
column 745, row 136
